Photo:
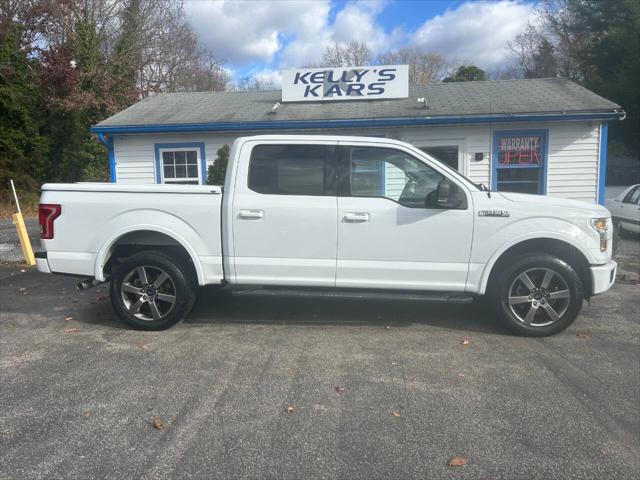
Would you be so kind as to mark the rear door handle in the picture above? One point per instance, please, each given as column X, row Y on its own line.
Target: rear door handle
column 251, row 214
column 356, row 217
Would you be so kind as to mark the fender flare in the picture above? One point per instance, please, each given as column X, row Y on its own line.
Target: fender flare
column 488, row 268
column 101, row 256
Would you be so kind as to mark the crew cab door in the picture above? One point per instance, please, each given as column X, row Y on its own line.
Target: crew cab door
column 284, row 215
column 388, row 237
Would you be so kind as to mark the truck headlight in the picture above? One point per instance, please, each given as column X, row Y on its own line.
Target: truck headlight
column 601, row 226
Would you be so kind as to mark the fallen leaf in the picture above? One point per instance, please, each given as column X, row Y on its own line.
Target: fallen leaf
column 395, row 413
column 289, row 409
column 101, row 298
column 340, row 389
column 583, row 335
column 157, row 423
column 67, row 318
column 466, row 342
column 457, row 462
column 71, row 330
column 87, row 413
column 142, row 346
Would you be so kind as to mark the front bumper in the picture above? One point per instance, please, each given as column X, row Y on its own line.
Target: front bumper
column 603, row 277
column 42, row 264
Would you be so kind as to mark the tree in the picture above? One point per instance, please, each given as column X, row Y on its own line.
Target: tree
column 536, row 55
column 424, row 67
column 352, row 54
column 22, row 147
column 217, row 172
column 466, row 73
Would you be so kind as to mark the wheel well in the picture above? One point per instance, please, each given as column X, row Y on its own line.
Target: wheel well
column 562, row 250
column 148, row 240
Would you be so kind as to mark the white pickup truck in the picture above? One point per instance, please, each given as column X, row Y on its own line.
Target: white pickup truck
column 365, row 217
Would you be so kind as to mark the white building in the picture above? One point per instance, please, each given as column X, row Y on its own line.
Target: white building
column 545, row 136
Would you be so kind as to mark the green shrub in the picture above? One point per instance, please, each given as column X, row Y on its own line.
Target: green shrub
column 218, row 170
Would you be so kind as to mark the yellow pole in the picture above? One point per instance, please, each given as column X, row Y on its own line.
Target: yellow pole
column 25, row 243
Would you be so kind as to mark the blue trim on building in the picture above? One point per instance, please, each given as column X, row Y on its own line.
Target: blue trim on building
column 542, row 185
column 108, row 142
column 602, row 165
column 203, row 158
column 350, row 123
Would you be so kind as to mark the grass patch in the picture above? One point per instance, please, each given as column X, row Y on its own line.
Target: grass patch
column 28, row 203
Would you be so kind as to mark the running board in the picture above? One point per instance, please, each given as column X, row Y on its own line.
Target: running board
column 445, row 297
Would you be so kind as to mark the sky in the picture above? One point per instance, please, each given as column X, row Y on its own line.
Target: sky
column 262, row 37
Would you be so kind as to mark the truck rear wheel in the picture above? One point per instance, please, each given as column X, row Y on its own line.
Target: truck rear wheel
column 537, row 295
column 151, row 291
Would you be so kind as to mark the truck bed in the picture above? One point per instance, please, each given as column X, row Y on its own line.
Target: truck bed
column 97, row 217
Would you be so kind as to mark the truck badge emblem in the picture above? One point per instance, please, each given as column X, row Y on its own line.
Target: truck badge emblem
column 493, row 213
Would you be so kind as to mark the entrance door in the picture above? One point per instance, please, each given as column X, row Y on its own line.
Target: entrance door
column 285, row 215
column 387, row 236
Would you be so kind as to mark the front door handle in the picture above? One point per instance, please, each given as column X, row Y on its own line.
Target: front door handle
column 251, row 214
column 356, row 217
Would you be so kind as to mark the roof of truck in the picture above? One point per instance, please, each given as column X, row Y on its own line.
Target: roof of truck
column 500, row 97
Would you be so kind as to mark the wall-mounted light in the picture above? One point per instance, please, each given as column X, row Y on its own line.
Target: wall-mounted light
column 275, row 108
column 422, row 101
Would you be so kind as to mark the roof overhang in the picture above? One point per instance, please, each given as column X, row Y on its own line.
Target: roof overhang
column 357, row 122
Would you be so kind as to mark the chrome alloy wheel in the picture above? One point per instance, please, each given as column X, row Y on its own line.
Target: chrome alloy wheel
column 539, row 297
column 148, row 293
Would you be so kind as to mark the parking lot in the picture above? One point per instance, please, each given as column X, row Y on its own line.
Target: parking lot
column 311, row 388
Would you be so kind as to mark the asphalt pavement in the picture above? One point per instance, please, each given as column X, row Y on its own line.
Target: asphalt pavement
column 249, row 387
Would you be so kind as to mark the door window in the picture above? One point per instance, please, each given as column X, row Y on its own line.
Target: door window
column 519, row 161
column 292, row 170
column 389, row 173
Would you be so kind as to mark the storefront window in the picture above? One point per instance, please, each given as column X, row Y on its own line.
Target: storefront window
column 519, row 161
column 447, row 154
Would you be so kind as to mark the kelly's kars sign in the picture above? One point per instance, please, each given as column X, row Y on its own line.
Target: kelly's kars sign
column 352, row 83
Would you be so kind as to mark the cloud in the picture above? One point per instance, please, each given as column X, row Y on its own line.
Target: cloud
column 244, row 32
column 267, row 36
column 476, row 32
column 291, row 33
column 269, row 78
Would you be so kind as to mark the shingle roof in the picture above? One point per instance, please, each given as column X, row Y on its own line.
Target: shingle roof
column 543, row 95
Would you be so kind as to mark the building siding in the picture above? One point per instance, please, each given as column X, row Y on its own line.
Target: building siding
column 572, row 163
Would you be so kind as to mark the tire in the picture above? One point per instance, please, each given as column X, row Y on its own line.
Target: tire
column 617, row 225
column 151, row 291
column 537, row 295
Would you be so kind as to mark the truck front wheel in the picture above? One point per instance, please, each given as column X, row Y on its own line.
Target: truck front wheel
column 151, row 291
column 537, row 295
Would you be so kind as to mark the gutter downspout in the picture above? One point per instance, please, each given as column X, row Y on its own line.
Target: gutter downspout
column 602, row 164
column 108, row 142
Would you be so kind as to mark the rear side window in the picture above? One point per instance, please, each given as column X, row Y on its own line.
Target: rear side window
column 292, row 170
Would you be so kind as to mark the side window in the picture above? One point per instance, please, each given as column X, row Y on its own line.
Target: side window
column 180, row 166
column 292, row 170
column 633, row 196
column 392, row 174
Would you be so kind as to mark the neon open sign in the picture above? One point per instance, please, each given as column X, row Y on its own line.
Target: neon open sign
column 520, row 150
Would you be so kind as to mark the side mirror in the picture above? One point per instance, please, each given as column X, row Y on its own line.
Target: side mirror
column 447, row 195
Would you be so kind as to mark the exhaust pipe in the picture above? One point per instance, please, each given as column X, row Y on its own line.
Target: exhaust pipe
column 88, row 283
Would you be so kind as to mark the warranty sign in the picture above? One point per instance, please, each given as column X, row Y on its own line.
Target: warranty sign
column 350, row 83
